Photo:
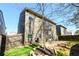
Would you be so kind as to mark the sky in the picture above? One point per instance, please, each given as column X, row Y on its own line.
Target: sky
column 12, row 12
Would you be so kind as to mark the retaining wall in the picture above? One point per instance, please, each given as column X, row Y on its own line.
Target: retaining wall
column 14, row 41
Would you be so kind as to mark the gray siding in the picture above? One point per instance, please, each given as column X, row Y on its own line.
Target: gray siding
column 2, row 24
column 21, row 23
column 61, row 30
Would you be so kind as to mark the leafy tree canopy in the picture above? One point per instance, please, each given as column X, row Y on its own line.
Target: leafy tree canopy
column 77, row 32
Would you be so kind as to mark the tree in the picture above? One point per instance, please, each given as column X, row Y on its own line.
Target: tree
column 63, row 11
column 75, row 18
column 77, row 32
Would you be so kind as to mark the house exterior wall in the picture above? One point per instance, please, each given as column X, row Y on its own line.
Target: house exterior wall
column 37, row 28
column 21, row 23
column 2, row 28
column 54, row 32
column 26, row 32
column 61, row 30
column 2, row 24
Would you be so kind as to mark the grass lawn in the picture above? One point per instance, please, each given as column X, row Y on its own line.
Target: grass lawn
column 25, row 51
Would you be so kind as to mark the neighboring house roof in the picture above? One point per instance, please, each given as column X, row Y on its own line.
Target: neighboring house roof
column 38, row 15
column 62, row 26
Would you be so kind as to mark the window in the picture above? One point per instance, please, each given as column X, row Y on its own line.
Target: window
column 49, row 28
column 30, row 24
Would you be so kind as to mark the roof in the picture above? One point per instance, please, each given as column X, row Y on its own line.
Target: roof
column 38, row 15
column 62, row 26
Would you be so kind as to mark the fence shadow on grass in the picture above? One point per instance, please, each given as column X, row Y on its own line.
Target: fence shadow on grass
column 74, row 51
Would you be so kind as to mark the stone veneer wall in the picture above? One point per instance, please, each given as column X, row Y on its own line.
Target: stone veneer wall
column 13, row 41
column 37, row 28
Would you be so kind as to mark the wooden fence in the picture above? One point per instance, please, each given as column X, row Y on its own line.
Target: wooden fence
column 68, row 38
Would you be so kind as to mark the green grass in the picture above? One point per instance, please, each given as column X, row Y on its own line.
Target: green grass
column 25, row 51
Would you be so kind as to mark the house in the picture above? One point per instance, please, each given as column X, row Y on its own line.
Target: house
column 61, row 30
column 2, row 29
column 36, row 27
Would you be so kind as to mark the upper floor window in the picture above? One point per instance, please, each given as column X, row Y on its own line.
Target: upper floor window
column 30, row 18
column 50, row 26
column 30, row 24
